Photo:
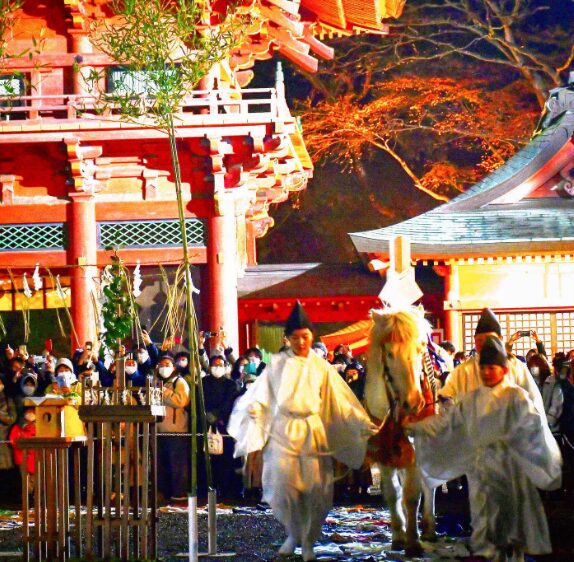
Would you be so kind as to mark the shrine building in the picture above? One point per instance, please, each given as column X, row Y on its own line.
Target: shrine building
column 507, row 242
column 76, row 181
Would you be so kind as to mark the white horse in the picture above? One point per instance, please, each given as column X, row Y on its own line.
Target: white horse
column 396, row 390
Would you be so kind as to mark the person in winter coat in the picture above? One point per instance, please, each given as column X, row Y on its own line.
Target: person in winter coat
column 220, row 393
column 552, row 395
column 24, row 429
column 173, row 451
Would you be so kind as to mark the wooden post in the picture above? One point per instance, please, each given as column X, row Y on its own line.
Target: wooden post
column 400, row 289
column 51, row 521
column 127, row 533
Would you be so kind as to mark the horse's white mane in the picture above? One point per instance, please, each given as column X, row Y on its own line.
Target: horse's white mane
column 402, row 325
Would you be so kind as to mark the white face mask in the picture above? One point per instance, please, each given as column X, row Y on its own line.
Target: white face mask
column 28, row 390
column 143, row 357
column 217, row 371
column 339, row 367
column 182, row 363
column 131, row 369
column 30, row 416
column 65, row 379
column 535, row 371
column 165, row 372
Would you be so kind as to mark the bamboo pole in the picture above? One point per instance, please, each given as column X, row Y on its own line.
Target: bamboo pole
column 196, row 377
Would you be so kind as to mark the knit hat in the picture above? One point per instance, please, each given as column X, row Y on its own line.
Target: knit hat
column 493, row 353
column 64, row 361
column 169, row 357
column 298, row 320
column 487, row 323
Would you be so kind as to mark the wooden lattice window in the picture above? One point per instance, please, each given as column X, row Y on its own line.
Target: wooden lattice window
column 555, row 329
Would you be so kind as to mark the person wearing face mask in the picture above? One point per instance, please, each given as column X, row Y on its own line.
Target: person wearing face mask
column 24, row 429
column 173, row 451
column 238, row 372
column 320, row 349
column 146, row 354
column 255, row 358
column 66, row 380
column 220, row 393
column 27, row 388
column 182, row 363
column 47, row 373
column 133, row 375
column 550, row 389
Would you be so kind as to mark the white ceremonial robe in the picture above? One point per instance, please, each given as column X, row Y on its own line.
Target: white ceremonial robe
column 466, row 377
column 306, row 414
column 500, row 441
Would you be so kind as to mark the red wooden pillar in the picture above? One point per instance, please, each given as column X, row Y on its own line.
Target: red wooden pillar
column 215, row 262
column 221, row 289
column 83, row 256
column 452, row 314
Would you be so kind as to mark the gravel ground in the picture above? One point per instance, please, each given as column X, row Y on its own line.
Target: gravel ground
column 351, row 533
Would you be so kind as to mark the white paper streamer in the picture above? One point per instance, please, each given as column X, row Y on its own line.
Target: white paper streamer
column 37, row 278
column 137, row 280
column 27, row 291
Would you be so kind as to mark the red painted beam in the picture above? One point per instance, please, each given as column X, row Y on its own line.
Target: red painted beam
column 29, row 259
column 153, row 256
column 107, row 211
column 320, row 309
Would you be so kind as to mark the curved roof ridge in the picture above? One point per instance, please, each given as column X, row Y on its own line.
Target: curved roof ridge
column 541, row 148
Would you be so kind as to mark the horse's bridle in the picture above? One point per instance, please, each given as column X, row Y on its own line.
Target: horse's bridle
column 392, row 394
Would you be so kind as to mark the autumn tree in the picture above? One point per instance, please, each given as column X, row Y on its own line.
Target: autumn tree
column 530, row 38
column 444, row 133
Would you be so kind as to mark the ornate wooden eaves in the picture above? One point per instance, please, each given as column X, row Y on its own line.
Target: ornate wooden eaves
column 292, row 27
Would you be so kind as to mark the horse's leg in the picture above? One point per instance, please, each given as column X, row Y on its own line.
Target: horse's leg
column 428, row 522
column 411, row 500
column 392, row 493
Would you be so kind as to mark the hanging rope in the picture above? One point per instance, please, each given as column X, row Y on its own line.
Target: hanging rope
column 62, row 296
column 60, row 324
column 25, row 306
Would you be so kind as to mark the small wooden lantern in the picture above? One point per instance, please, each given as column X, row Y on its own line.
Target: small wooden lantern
column 57, row 416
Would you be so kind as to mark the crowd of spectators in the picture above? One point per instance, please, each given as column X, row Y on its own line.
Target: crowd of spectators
column 224, row 378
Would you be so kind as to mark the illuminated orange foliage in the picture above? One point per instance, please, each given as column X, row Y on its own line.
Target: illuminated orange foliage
column 445, row 133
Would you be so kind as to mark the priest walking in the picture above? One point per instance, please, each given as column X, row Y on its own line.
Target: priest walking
column 302, row 414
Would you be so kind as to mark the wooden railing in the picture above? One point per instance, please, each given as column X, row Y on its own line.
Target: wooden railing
column 225, row 104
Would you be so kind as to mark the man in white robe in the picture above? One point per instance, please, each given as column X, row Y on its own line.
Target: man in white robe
column 466, row 377
column 500, row 440
column 302, row 414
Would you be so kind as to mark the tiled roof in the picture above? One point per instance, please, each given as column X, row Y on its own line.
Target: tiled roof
column 517, row 169
column 474, row 225
column 307, row 280
column 482, row 232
